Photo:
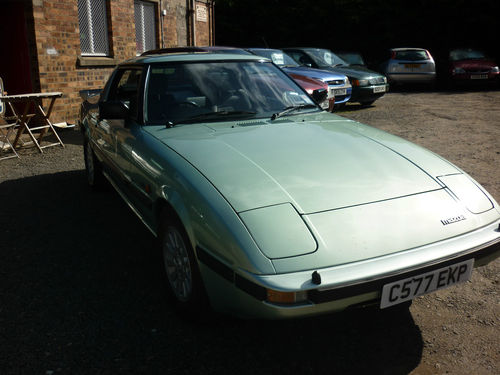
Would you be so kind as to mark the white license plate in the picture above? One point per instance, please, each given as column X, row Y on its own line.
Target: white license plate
column 479, row 76
column 407, row 289
column 379, row 89
column 339, row 92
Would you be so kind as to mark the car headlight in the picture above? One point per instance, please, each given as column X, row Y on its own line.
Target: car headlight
column 467, row 192
column 495, row 69
column 279, row 231
column 385, row 79
column 360, row 82
column 458, row 71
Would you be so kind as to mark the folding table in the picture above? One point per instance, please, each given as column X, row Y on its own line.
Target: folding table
column 21, row 105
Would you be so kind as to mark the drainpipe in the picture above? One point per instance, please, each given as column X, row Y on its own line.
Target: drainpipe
column 193, row 22
column 162, row 14
column 212, row 21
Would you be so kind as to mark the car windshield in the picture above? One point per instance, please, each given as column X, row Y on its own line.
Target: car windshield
column 324, row 57
column 411, row 55
column 466, row 54
column 278, row 57
column 184, row 92
column 352, row 58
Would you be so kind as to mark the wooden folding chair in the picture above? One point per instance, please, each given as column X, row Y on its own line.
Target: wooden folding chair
column 5, row 144
column 6, row 130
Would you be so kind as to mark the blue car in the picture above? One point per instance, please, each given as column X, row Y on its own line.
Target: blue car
column 338, row 84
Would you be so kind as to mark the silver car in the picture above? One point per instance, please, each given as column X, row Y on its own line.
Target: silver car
column 409, row 65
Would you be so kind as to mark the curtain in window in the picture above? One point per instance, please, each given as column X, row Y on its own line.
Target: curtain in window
column 145, row 26
column 92, row 16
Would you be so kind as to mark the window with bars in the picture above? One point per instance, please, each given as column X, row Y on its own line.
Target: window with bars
column 145, row 26
column 92, row 16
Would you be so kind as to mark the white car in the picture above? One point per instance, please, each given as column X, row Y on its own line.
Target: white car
column 409, row 65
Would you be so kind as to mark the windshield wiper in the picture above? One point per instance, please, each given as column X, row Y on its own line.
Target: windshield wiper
column 210, row 116
column 291, row 109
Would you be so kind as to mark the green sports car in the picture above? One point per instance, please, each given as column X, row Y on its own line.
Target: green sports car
column 266, row 206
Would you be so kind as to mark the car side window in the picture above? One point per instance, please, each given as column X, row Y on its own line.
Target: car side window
column 126, row 89
column 302, row 58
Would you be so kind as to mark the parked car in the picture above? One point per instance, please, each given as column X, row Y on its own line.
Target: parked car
column 270, row 206
column 318, row 90
column 339, row 87
column 313, row 86
column 409, row 65
column 367, row 85
column 471, row 65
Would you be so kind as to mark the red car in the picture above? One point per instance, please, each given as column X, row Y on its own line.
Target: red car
column 311, row 85
column 468, row 64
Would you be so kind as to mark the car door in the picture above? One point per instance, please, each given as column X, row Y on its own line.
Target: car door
column 116, row 135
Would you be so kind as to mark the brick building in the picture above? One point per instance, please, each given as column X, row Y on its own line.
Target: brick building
column 70, row 45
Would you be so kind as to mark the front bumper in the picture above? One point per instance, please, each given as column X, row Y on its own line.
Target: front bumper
column 345, row 93
column 424, row 77
column 365, row 94
column 476, row 77
column 343, row 286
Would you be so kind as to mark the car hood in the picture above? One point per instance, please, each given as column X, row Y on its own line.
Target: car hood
column 354, row 71
column 323, row 75
column 315, row 162
column 319, row 190
column 474, row 64
column 308, row 83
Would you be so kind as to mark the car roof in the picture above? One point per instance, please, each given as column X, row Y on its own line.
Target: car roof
column 218, row 49
column 407, row 49
column 263, row 49
column 305, row 48
column 192, row 57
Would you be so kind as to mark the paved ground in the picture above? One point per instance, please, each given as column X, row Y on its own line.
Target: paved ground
column 80, row 290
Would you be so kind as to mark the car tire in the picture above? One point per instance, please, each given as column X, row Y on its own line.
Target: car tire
column 93, row 167
column 339, row 107
column 180, row 268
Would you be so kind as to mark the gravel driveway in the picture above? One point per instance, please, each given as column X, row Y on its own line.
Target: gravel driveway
column 80, row 290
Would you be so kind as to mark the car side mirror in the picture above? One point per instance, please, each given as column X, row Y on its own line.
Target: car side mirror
column 113, row 110
column 319, row 95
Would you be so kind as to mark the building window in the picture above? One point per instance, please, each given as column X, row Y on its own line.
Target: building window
column 92, row 15
column 145, row 26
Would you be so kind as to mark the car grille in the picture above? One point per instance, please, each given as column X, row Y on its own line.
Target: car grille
column 477, row 71
column 377, row 81
column 336, row 82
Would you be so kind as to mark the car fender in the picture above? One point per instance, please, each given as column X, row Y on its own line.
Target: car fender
column 209, row 220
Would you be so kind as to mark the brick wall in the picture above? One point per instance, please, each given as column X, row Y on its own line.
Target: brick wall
column 60, row 64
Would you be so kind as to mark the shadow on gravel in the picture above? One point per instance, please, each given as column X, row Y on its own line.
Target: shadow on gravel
column 80, row 292
column 71, row 136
